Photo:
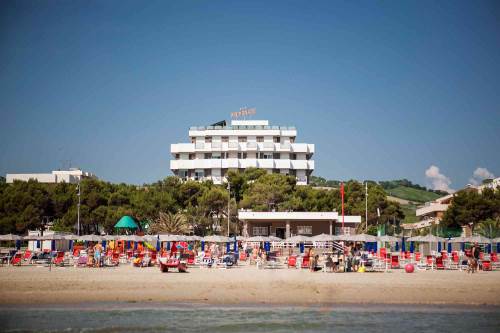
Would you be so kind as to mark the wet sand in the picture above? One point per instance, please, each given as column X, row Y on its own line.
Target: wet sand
column 244, row 285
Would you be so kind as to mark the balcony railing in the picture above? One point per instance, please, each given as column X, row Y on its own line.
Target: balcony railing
column 242, row 127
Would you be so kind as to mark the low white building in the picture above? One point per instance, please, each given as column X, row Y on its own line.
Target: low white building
column 286, row 224
column 73, row 176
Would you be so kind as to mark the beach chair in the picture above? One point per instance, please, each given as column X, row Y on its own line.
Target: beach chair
column 17, row 259
column 243, row 256
column 494, row 260
column 395, row 262
column 59, row 259
column 439, row 263
column 292, row 262
column 305, row 262
column 454, row 261
column 28, row 255
column 486, row 265
column 82, row 261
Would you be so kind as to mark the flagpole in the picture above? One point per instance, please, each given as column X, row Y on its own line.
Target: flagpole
column 342, row 194
column 366, row 206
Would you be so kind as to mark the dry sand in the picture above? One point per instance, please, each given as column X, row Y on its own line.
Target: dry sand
column 244, row 285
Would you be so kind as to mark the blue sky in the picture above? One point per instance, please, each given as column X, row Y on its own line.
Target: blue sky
column 385, row 89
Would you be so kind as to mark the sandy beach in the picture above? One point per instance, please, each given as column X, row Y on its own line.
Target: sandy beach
column 244, row 285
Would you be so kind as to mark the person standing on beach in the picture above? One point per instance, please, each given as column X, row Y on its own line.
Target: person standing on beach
column 97, row 254
column 475, row 253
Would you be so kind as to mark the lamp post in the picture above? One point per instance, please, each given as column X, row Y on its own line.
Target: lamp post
column 78, row 209
column 228, row 206
column 366, row 206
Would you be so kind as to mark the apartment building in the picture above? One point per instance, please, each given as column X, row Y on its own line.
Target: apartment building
column 73, row 175
column 214, row 150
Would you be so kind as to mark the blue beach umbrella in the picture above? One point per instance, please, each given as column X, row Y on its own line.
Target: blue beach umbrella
column 449, row 248
column 301, row 247
column 228, row 247
column 498, row 247
column 52, row 245
column 403, row 245
column 462, row 247
column 397, row 246
column 488, row 247
column 439, row 246
column 158, row 245
column 203, row 245
column 127, row 244
column 18, row 244
column 103, row 244
column 412, row 247
column 71, row 244
column 135, row 246
column 38, row 244
column 235, row 245
column 168, row 246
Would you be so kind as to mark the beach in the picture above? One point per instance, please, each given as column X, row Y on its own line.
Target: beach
column 244, row 285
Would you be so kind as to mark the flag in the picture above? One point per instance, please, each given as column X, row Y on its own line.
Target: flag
column 342, row 195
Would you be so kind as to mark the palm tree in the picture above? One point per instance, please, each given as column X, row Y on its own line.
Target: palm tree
column 489, row 228
column 170, row 223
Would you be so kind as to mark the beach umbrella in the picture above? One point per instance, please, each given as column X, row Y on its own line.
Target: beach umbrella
column 10, row 237
column 478, row 239
column 403, row 245
column 363, row 238
column 90, row 238
column 323, row 238
column 274, row 239
column 301, row 247
column 132, row 238
column 172, row 238
column 388, row 239
column 439, row 246
column 430, row 239
column 126, row 222
column 260, row 239
column 109, row 237
column 397, row 246
column 203, row 245
column 457, row 240
column 71, row 237
column 298, row 239
column 449, row 247
column 412, row 247
column 216, row 239
column 240, row 238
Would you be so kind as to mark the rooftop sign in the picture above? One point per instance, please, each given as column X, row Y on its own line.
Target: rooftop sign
column 244, row 112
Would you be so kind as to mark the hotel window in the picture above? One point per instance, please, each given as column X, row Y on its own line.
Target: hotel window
column 208, row 139
column 265, row 156
column 242, row 155
column 242, row 139
column 292, row 139
column 177, row 156
column 276, row 139
column 199, row 174
column 293, row 156
column 260, row 139
column 183, row 174
column 259, row 231
column 216, row 156
column 305, row 230
column 192, row 156
column 276, row 156
column 193, row 140
column 276, row 170
column 208, row 156
column 308, row 156
column 345, row 231
column 208, row 172
column 225, row 139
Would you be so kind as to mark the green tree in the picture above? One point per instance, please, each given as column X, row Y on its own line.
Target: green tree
column 169, row 223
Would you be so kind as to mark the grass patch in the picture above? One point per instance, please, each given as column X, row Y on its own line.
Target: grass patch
column 409, row 211
column 412, row 194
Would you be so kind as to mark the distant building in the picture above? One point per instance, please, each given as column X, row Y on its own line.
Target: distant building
column 216, row 149
column 73, row 176
column 430, row 213
column 494, row 184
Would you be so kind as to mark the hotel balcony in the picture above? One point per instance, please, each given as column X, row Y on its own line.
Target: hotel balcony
column 266, row 164
column 282, row 164
column 182, row 148
column 431, row 208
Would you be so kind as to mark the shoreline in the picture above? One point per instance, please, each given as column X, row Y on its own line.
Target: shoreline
column 243, row 286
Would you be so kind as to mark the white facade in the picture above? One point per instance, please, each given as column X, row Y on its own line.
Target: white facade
column 68, row 176
column 245, row 143
column 286, row 224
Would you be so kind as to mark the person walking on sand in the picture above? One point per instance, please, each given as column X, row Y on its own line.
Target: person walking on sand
column 475, row 252
column 97, row 254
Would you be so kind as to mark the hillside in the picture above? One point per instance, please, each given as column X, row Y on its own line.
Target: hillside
column 412, row 194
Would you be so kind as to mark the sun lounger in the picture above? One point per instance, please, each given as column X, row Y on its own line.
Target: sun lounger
column 439, row 263
column 28, row 255
column 17, row 259
column 59, row 259
column 486, row 265
column 82, row 261
column 395, row 262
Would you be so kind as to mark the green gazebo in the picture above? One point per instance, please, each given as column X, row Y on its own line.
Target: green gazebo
column 126, row 222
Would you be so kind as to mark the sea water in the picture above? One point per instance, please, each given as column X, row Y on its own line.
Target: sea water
column 112, row 317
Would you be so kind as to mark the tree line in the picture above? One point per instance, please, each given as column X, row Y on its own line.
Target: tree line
column 203, row 206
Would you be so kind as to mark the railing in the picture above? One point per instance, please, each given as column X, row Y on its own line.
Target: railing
column 242, row 127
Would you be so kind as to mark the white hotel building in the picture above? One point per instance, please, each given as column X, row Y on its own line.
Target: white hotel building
column 214, row 150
